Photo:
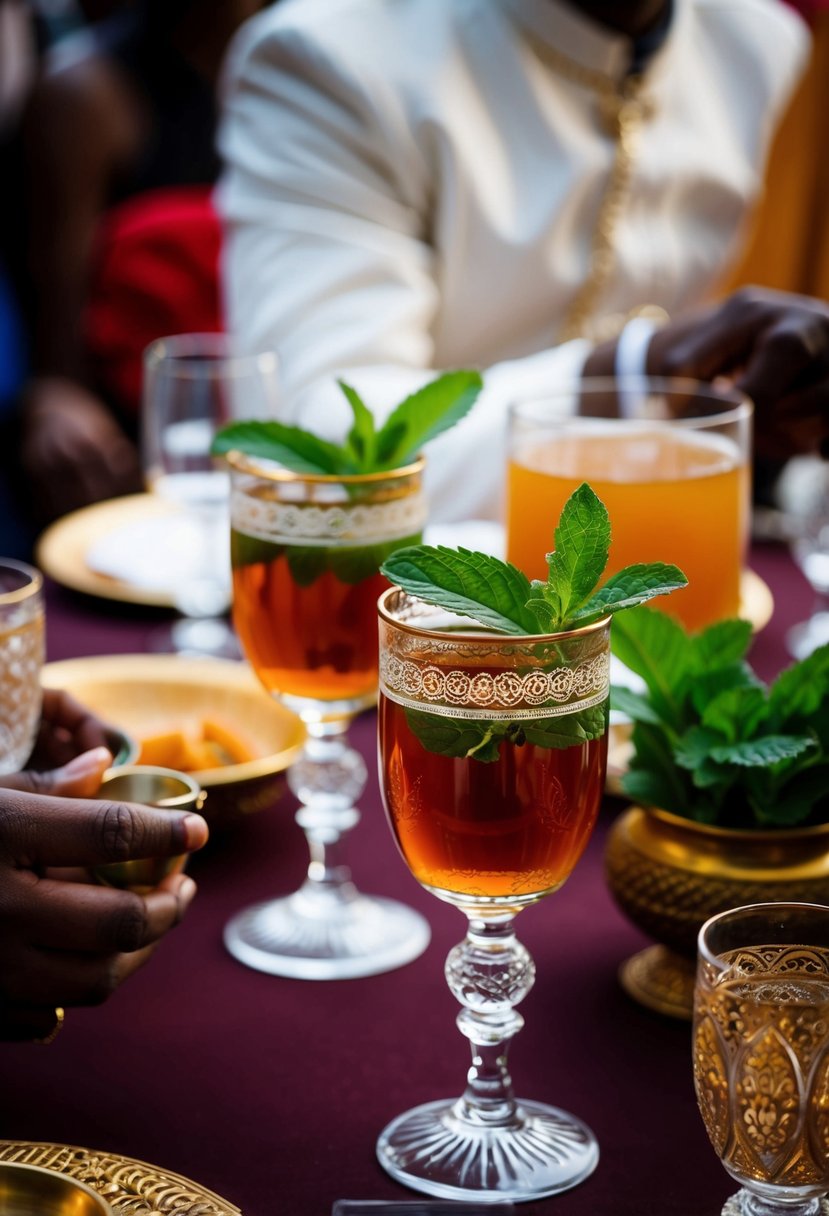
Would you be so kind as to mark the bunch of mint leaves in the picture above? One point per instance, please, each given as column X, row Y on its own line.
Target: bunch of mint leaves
column 419, row 418
column 711, row 741
column 501, row 598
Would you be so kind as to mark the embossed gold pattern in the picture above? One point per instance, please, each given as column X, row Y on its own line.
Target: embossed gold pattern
column 760, row 1057
column 132, row 1188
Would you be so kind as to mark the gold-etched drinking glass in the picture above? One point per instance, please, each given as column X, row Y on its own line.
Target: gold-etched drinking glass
column 21, row 658
column 305, row 553
column 761, row 1054
column 492, row 763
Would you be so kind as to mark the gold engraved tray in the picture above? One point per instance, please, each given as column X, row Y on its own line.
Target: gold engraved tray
column 132, row 1188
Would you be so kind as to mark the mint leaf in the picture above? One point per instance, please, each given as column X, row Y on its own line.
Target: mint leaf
column 720, row 645
column 567, row 730
column 296, row 449
column 306, row 563
column 634, row 705
column 424, row 415
column 354, row 564
column 479, row 739
column 762, row 753
column 251, row 551
column 457, row 737
column 419, row 418
column 799, row 691
column 629, row 587
column 468, row 584
column 655, row 647
column 582, row 541
column 735, row 713
column 361, row 440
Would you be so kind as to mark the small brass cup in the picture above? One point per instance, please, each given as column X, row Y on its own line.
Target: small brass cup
column 163, row 789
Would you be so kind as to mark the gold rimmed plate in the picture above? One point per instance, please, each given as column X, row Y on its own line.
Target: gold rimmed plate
column 150, row 695
column 63, row 550
column 104, row 1183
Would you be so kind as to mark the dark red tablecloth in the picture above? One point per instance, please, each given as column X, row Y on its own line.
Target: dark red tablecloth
column 271, row 1092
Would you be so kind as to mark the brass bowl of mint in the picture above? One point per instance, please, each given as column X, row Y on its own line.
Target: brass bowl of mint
column 730, row 783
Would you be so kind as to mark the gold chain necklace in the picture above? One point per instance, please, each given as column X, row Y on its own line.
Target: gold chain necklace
column 624, row 107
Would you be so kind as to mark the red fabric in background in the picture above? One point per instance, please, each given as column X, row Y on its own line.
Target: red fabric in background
column 156, row 273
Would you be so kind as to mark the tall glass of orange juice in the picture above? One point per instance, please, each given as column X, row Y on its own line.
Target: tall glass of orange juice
column 674, row 474
column 306, row 551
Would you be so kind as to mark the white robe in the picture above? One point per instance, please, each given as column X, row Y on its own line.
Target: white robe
column 412, row 185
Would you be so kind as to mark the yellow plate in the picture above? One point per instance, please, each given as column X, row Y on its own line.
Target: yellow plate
column 62, row 550
column 128, row 1185
column 149, row 694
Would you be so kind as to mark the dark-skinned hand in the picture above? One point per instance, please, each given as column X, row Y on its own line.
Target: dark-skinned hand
column 65, row 941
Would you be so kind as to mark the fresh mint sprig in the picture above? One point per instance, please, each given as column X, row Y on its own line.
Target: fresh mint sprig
column 418, row 419
column 500, row 597
column 711, row 741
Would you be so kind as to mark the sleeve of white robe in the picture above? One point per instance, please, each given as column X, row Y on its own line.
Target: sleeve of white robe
column 326, row 202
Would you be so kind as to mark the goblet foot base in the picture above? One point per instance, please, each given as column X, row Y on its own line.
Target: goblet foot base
column 312, row 938
column 660, row 980
column 433, row 1150
column 735, row 1206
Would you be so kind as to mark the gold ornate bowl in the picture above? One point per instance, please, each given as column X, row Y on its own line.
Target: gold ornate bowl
column 31, row 1190
column 669, row 874
column 146, row 694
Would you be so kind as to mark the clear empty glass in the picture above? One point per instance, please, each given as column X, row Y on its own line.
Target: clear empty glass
column 761, row 1054
column 193, row 385
column 21, row 658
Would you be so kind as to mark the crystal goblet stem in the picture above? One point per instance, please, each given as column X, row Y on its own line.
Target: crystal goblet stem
column 497, row 1147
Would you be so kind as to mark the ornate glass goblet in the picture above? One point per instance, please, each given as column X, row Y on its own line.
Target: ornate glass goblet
column 490, row 815
column 761, row 1054
column 306, row 551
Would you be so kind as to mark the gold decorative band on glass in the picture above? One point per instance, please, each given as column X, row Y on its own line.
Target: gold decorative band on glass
column 473, row 675
column 313, row 523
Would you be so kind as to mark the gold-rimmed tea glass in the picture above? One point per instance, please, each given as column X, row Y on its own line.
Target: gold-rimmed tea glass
column 761, row 1054
column 21, row 658
column 490, row 834
column 305, row 553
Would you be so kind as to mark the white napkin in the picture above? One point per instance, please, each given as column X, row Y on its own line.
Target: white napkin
column 162, row 552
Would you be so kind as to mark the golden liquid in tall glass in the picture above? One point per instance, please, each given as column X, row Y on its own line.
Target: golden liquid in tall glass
column 672, row 496
column 761, row 1067
column 512, row 827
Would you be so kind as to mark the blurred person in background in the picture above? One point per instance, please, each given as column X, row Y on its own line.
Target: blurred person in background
column 536, row 188
column 120, row 241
